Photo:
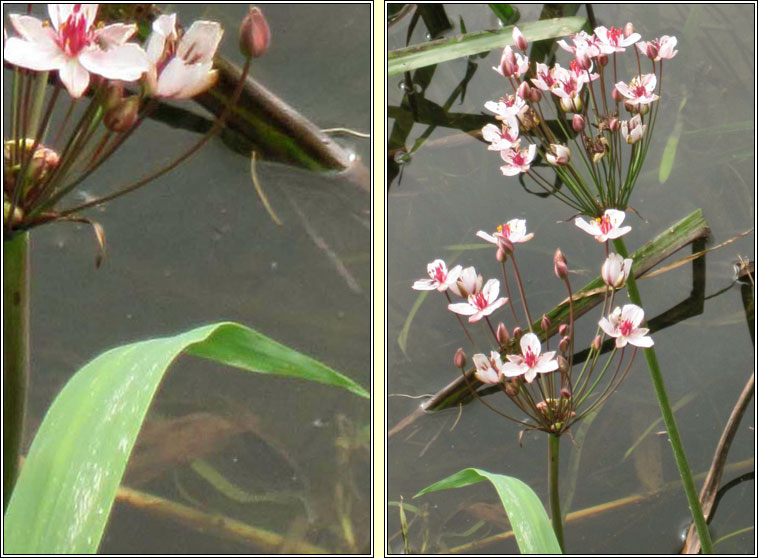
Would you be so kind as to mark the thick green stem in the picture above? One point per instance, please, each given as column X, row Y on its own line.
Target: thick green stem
column 15, row 353
column 554, row 444
column 668, row 419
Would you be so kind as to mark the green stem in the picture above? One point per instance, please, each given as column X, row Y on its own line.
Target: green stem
column 15, row 353
column 668, row 419
column 555, row 501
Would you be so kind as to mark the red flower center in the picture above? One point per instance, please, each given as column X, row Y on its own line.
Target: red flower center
column 626, row 327
column 504, row 229
column 73, row 35
column 530, row 359
column 480, row 301
column 613, row 35
column 439, row 274
column 605, row 224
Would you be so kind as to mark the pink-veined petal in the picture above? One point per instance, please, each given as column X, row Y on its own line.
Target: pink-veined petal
column 494, row 306
column 546, row 363
column 590, row 228
column 491, row 290
column 164, row 27
column 425, row 285
column 633, row 313
column 639, row 338
column 200, row 42
column 512, row 369
column 510, row 170
column 486, row 236
column 40, row 57
column 126, row 62
column 615, row 233
column 75, row 77
column 530, row 374
column 530, row 342
column 608, row 327
column 621, row 341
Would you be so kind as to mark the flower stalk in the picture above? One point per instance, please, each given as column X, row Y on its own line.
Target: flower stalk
column 15, row 353
column 668, row 418
column 554, row 444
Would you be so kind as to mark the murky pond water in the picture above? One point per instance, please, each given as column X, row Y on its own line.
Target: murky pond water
column 451, row 187
column 196, row 247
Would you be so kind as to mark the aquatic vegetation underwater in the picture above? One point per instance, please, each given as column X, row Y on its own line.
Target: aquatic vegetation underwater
column 84, row 81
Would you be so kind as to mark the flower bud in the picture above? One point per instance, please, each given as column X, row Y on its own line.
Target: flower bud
column 563, row 345
column 563, row 364
column 583, row 60
column 628, row 29
column 517, row 332
column 545, row 323
column 123, row 117
column 535, row 95
column 578, row 123
column 596, row 343
column 524, row 90
column 502, row 334
column 512, row 388
column 613, row 125
column 460, row 358
column 505, row 244
column 519, row 40
column 651, row 50
column 114, row 94
column 562, row 329
column 565, row 393
column 559, row 265
column 500, row 255
column 602, row 59
column 617, row 96
column 255, row 35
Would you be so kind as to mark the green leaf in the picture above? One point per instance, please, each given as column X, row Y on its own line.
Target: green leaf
column 67, row 486
column 672, row 143
column 531, row 526
column 434, row 52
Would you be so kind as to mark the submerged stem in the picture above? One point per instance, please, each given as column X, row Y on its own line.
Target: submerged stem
column 668, row 419
column 15, row 353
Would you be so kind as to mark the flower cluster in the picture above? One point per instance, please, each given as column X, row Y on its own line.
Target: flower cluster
column 124, row 81
column 543, row 383
column 590, row 125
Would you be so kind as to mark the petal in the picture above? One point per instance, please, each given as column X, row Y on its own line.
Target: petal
column 34, row 56
column 488, row 376
column 494, row 306
column 126, row 62
column 509, row 170
column 462, row 308
column 633, row 313
column 116, row 34
column 530, row 342
column 424, row 285
column 511, row 369
column 75, row 77
column 491, row 133
column 491, row 290
column 530, row 375
column 621, row 342
column 431, row 268
column 608, row 328
column 590, row 228
column 546, row 364
column 615, row 233
column 486, row 236
column 639, row 339
column 453, row 274
column 31, row 29
column 200, row 42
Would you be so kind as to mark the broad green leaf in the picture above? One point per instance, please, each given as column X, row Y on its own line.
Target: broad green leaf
column 507, row 14
column 531, row 525
column 67, row 486
column 434, row 52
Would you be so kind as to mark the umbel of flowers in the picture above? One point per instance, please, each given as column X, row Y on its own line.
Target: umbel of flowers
column 106, row 85
column 586, row 121
column 543, row 383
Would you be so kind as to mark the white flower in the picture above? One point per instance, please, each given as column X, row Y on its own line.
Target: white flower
column 480, row 304
column 75, row 47
column 615, row 270
column 514, row 230
column 468, row 283
column 488, row 369
column 606, row 227
column 530, row 362
column 439, row 277
column 623, row 324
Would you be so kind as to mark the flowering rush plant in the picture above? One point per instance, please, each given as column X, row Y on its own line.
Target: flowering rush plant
column 584, row 120
column 543, row 383
column 110, row 83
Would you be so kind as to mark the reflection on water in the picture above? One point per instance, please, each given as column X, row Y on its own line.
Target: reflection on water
column 450, row 186
column 196, row 247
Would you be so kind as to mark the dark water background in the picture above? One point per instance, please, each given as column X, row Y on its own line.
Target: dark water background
column 452, row 187
column 196, row 247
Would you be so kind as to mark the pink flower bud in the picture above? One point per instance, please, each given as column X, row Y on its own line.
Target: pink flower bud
column 502, row 334
column 578, row 123
column 628, row 29
column 505, row 244
column 535, row 95
column 596, row 343
column 500, row 255
column 613, row 124
column 114, row 94
column 562, row 329
column 255, row 35
column 545, row 323
column 565, row 393
column 563, row 345
column 460, row 359
column 651, row 50
column 583, row 60
column 563, row 364
column 512, row 388
column 519, row 40
column 558, row 155
column 617, row 96
column 517, row 332
column 559, row 265
column 524, row 90
column 123, row 116
column 602, row 59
